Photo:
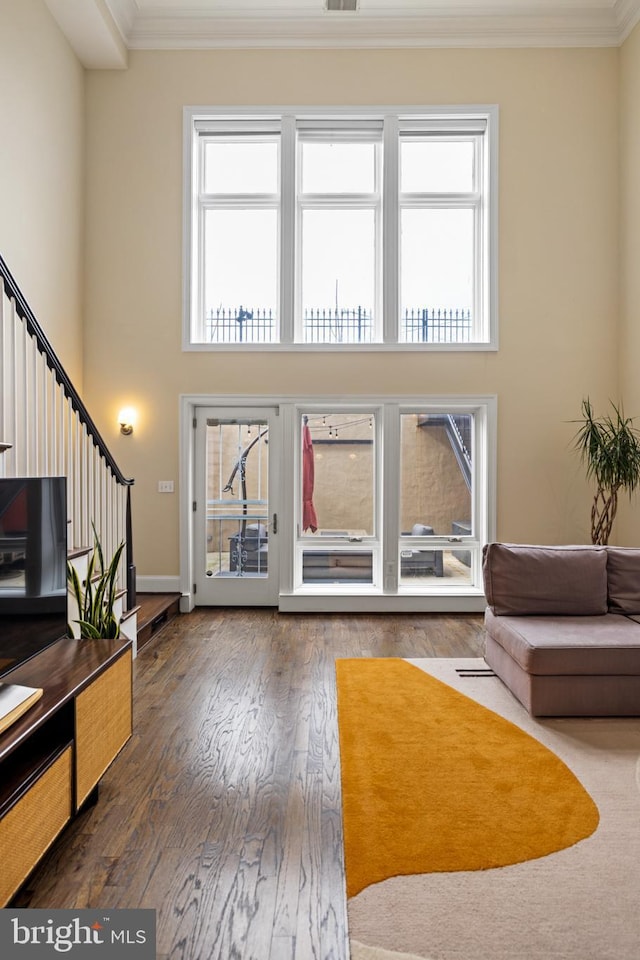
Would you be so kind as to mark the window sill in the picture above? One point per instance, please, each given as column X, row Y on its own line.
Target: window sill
column 315, row 348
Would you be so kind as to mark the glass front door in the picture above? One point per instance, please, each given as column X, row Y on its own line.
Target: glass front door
column 236, row 522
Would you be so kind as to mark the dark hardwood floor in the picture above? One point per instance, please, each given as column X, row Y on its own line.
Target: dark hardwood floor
column 223, row 811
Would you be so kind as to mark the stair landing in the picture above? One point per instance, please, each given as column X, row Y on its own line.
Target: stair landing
column 155, row 611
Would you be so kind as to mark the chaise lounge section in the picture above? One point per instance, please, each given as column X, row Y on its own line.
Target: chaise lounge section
column 563, row 627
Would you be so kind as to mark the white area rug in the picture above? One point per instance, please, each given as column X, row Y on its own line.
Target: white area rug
column 582, row 903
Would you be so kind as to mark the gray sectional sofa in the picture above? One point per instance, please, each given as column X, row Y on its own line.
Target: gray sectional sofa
column 563, row 627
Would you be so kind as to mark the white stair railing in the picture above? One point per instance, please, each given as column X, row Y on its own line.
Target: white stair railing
column 47, row 431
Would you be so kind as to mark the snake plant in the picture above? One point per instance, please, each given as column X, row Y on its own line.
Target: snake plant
column 96, row 596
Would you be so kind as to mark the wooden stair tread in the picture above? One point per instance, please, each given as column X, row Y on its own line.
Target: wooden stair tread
column 156, row 611
column 127, row 614
column 75, row 552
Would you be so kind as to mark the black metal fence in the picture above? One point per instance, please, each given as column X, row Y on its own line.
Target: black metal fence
column 326, row 326
column 240, row 326
column 436, row 326
column 338, row 326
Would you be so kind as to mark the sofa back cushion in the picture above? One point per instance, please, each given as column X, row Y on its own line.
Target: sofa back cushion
column 523, row 579
column 623, row 576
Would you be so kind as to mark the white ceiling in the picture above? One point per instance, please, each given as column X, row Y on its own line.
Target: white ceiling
column 102, row 31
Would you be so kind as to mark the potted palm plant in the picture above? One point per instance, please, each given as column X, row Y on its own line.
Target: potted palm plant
column 610, row 448
column 96, row 597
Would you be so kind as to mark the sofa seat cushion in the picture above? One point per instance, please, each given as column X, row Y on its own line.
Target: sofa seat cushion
column 606, row 645
column 522, row 580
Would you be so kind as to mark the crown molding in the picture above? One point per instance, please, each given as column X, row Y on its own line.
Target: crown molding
column 101, row 31
column 124, row 12
column 352, row 30
column 627, row 14
column 93, row 32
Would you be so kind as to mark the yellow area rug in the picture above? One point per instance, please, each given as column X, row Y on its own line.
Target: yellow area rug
column 471, row 830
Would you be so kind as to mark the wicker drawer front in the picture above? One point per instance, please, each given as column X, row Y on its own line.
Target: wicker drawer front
column 103, row 724
column 31, row 826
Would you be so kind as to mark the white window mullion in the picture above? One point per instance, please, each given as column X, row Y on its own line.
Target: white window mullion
column 484, row 478
column 478, row 331
column 390, row 496
column 480, row 299
column 378, row 307
column 339, row 202
column 440, row 201
column 298, row 322
column 390, row 232
column 199, row 321
column 490, row 207
column 198, row 326
column 288, row 231
column 290, row 494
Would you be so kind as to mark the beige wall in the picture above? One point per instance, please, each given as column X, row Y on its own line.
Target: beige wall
column 42, row 171
column 558, row 279
column 628, row 527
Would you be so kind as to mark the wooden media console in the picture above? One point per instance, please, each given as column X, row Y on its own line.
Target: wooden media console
column 52, row 758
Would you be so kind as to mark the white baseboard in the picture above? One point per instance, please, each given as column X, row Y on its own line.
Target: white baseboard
column 187, row 602
column 158, row 584
column 354, row 603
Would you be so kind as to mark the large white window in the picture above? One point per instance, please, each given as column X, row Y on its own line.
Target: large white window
column 340, row 230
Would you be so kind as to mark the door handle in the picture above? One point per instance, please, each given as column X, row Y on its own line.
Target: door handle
column 274, row 523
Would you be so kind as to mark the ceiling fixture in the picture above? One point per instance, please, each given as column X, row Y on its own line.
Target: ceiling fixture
column 341, row 4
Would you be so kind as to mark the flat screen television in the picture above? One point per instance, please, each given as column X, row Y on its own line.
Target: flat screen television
column 33, row 566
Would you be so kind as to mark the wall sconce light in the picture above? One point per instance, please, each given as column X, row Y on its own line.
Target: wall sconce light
column 127, row 419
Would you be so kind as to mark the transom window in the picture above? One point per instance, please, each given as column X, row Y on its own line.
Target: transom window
column 323, row 229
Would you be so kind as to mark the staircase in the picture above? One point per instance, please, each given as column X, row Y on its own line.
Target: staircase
column 458, row 430
column 46, row 430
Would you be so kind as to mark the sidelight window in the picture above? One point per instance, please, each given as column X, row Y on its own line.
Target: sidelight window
column 392, row 498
